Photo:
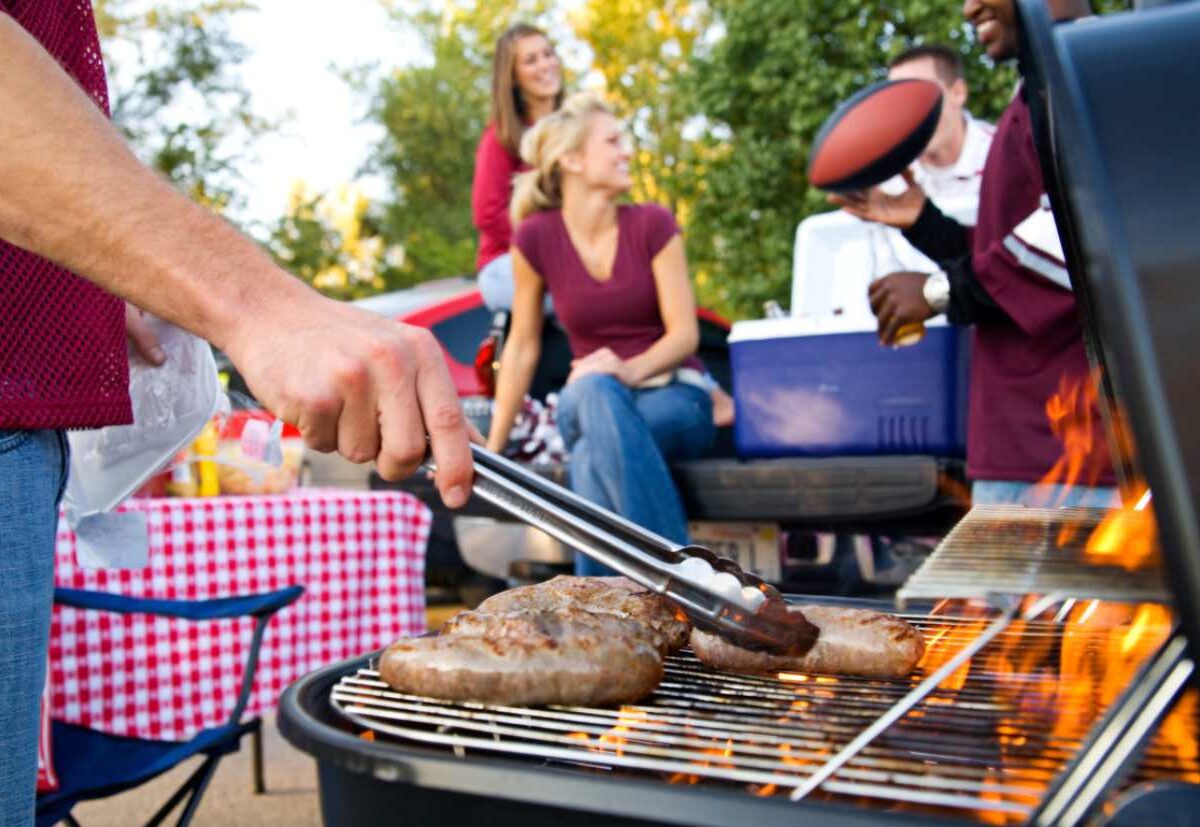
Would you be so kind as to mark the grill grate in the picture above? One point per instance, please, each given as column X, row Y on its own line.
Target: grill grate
column 1014, row 550
column 986, row 740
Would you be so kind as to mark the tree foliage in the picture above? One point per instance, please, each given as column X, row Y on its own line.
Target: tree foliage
column 764, row 88
column 642, row 50
column 177, row 96
column 433, row 112
column 331, row 241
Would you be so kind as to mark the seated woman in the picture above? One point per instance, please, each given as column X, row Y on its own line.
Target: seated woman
column 526, row 85
column 635, row 398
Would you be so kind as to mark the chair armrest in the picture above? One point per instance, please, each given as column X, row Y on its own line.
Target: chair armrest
column 256, row 605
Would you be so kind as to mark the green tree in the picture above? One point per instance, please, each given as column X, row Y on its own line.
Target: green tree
column 642, row 49
column 177, row 96
column 764, row 87
column 331, row 241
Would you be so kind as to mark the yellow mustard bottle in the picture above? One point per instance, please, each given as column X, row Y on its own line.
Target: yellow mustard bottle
column 206, row 469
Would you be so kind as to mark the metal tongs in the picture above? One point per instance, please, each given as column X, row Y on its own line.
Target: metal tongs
column 714, row 592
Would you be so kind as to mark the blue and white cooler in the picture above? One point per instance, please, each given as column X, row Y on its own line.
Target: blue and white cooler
column 826, row 387
column 819, row 383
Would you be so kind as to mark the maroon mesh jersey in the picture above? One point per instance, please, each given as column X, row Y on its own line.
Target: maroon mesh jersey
column 1017, row 365
column 63, row 362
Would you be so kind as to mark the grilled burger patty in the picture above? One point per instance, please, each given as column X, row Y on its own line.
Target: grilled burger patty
column 531, row 659
column 559, row 624
column 852, row 642
column 610, row 595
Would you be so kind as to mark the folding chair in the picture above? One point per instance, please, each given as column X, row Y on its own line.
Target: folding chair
column 92, row 764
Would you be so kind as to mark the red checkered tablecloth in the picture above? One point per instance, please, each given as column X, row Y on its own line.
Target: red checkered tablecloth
column 359, row 555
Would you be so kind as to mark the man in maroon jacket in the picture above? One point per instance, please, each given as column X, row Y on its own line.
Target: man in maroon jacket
column 1005, row 277
column 83, row 223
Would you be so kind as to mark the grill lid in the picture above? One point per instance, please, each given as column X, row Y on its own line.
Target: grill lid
column 1110, row 102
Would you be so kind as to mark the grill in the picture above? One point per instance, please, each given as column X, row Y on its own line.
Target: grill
column 1014, row 713
column 983, row 743
column 1037, row 701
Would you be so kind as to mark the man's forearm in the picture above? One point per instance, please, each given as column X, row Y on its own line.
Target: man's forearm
column 938, row 236
column 71, row 191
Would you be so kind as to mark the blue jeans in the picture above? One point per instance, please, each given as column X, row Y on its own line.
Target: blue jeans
column 33, row 471
column 1006, row 492
column 496, row 285
column 621, row 440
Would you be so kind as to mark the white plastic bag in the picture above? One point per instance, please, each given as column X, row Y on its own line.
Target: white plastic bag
column 171, row 404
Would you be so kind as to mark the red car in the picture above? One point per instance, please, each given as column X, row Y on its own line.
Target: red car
column 471, row 335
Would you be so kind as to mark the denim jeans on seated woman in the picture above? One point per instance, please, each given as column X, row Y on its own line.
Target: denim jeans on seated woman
column 33, row 471
column 621, row 440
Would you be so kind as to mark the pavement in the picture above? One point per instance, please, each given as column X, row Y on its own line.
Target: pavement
column 291, row 798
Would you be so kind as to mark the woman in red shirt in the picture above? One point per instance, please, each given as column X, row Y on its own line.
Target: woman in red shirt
column 636, row 397
column 526, row 85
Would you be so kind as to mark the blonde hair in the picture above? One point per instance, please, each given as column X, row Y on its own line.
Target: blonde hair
column 508, row 110
column 544, row 145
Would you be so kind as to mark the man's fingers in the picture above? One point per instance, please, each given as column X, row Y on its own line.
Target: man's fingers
column 889, row 333
column 876, row 303
column 886, row 313
column 887, row 325
column 446, row 424
column 318, row 422
column 142, row 337
column 876, row 294
column 358, row 425
column 474, row 435
column 402, row 444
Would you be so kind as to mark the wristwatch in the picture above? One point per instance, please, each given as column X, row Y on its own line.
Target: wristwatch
column 937, row 291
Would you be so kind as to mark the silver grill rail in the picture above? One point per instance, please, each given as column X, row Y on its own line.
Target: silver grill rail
column 1015, row 550
column 986, row 743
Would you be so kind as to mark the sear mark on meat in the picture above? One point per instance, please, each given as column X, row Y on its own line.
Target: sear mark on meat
column 610, row 595
column 584, row 666
column 559, row 624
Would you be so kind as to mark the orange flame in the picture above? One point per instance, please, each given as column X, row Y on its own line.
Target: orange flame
column 1065, row 679
column 1071, row 412
column 1129, row 534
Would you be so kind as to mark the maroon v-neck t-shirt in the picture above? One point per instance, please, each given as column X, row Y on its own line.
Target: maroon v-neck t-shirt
column 621, row 313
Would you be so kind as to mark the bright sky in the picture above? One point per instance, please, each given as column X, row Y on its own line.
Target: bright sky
column 297, row 48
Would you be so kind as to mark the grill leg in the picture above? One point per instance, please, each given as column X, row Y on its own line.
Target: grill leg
column 256, row 763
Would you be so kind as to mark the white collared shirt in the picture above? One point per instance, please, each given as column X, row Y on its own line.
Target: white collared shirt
column 955, row 189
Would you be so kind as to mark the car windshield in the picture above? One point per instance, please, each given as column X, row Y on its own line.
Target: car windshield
column 461, row 333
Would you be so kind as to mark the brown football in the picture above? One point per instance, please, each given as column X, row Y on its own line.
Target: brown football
column 874, row 135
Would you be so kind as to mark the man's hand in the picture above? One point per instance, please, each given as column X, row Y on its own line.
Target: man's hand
column 71, row 190
column 363, row 385
column 876, row 205
column 142, row 337
column 898, row 300
column 600, row 361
